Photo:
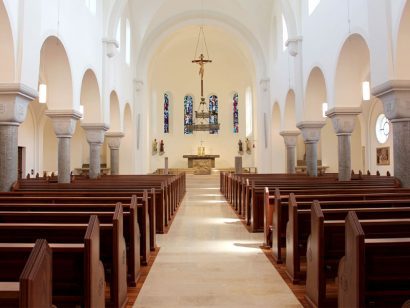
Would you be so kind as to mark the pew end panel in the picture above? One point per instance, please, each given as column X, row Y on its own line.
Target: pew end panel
column 36, row 278
column 95, row 279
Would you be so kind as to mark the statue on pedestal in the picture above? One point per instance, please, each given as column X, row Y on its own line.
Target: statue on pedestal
column 240, row 147
column 161, row 147
column 154, row 147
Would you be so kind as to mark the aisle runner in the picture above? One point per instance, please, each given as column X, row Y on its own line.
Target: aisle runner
column 208, row 258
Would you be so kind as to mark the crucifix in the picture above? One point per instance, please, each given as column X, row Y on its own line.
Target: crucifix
column 201, row 62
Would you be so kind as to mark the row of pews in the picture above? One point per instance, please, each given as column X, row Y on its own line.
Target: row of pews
column 97, row 235
column 348, row 242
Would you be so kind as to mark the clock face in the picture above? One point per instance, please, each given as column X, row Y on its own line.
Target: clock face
column 382, row 128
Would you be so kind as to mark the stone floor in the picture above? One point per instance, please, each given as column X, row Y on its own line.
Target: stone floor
column 209, row 259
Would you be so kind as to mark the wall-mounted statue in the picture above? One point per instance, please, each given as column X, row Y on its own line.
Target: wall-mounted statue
column 240, row 147
column 161, row 147
column 154, row 147
column 248, row 146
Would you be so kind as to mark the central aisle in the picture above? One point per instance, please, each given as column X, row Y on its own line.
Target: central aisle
column 209, row 259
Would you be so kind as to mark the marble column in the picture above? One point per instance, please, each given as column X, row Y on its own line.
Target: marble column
column 311, row 135
column 14, row 100
column 290, row 138
column 114, row 142
column 395, row 95
column 95, row 138
column 64, row 122
column 343, row 119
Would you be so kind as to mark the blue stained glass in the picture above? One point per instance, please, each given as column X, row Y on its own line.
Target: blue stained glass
column 188, row 114
column 166, row 113
column 213, row 112
column 235, row 113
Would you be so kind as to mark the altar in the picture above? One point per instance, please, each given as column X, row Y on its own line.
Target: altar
column 202, row 164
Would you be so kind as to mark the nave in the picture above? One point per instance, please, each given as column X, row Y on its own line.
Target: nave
column 209, row 259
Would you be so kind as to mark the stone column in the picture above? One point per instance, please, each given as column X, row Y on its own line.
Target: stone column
column 343, row 119
column 14, row 100
column 290, row 138
column 95, row 138
column 395, row 95
column 64, row 122
column 114, row 142
column 311, row 135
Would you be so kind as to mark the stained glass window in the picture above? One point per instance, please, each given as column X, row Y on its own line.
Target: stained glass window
column 235, row 113
column 213, row 112
column 166, row 113
column 188, row 114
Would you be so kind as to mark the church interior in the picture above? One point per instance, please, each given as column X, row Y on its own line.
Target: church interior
column 192, row 153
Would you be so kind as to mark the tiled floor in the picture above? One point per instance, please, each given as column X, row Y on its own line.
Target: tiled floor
column 208, row 258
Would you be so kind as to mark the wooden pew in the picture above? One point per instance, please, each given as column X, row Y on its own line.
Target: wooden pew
column 374, row 271
column 66, row 203
column 328, row 198
column 34, row 286
column 299, row 224
column 113, row 249
column 326, row 245
column 78, row 274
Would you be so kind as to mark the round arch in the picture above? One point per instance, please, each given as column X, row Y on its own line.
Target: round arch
column 278, row 147
column 7, row 60
column 315, row 95
column 289, row 117
column 90, row 98
column 115, row 117
column 403, row 45
column 353, row 67
column 55, row 71
column 127, row 149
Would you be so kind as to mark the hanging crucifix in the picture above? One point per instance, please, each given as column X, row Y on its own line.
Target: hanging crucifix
column 201, row 62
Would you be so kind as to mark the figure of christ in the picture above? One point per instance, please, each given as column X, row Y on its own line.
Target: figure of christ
column 201, row 62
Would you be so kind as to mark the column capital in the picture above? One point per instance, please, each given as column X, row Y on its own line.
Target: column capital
column 343, row 119
column 290, row 137
column 95, row 132
column 64, row 121
column 293, row 45
column 395, row 97
column 111, row 46
column 14, row 100
column 311, row 130
column 114, row 139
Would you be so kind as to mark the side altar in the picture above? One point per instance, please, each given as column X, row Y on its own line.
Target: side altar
column 202, row 164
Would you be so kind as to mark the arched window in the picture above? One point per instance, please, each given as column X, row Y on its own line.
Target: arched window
column 235, row 113
column 213, row 112
column 128, row 42
column 118, row 34
column 188, row 114
column 166, row 113
column 313, row 5
column 249, row 112
column 285, row 34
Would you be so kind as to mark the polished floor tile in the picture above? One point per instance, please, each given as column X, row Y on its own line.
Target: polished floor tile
column 209, row 259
